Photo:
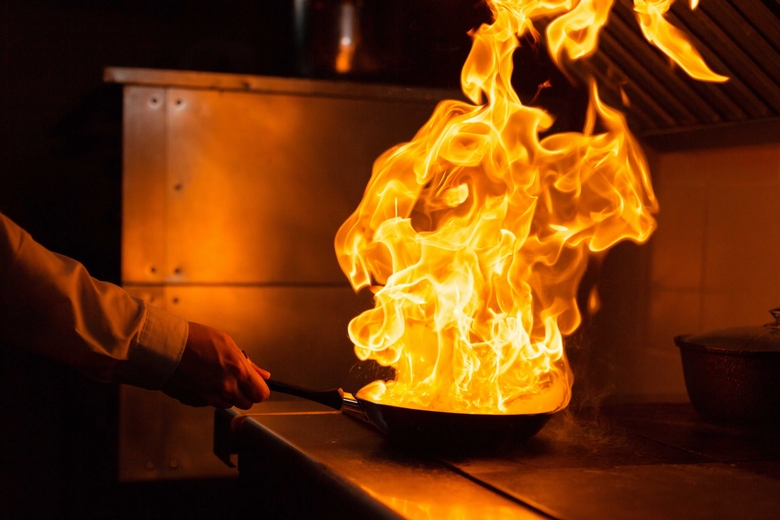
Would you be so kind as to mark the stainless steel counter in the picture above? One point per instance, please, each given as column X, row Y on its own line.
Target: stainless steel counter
column 643, row 461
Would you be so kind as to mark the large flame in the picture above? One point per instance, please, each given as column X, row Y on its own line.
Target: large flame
column 474, row 235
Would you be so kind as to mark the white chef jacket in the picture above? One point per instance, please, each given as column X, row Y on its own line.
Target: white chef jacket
column 50, row 305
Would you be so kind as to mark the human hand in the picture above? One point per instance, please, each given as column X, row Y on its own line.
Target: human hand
column 214, row 371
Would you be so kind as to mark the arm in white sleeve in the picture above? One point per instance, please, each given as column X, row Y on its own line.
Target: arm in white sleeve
column 50, row 305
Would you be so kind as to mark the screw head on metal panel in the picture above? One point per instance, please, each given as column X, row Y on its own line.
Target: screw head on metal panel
column 150, row 465
column 154, row 101
column 180, row 103
column 175, row 300
column 178, row 186
column 174, row 463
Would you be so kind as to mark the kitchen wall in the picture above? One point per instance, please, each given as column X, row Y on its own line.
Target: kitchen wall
column 714, row 262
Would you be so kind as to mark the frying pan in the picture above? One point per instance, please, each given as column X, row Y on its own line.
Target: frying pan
column 425, row 427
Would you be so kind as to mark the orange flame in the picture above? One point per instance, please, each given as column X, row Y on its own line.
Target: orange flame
column 671, row 40
column 474, row 236
column 576, row 32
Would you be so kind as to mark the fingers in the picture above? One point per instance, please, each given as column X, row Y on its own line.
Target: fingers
column 253, row 386
column 242, row 402
column 233, row 393
column 250, row 383
column 265, row 374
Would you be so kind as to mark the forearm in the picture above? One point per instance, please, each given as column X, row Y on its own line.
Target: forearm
column 49, row 304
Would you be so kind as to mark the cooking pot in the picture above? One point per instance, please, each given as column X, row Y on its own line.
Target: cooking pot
column 426, row 428
column 733, row 375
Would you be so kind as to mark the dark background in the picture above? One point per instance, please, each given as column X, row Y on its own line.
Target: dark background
column 60, row 178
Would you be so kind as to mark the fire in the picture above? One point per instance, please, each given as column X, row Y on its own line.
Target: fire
column 474, row 236
column 670, row 40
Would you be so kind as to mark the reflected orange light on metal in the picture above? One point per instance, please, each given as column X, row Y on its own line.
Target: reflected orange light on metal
column 347, row 38
column 453, row 510
column 474, row 236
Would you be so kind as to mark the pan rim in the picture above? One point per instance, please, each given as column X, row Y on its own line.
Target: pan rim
column 362, row 400
column 683, row 344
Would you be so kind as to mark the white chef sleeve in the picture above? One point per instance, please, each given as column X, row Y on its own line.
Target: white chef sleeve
column 50, row 305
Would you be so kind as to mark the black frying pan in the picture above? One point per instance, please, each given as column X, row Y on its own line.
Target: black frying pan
column 424, row 427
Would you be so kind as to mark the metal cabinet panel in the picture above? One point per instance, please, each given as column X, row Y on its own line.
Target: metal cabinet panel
column 189, row 443
column 142, row 433
column 161, row 438
column 259, row 184
column 144, row 194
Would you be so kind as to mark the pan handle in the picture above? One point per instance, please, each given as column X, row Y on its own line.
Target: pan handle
column 332, row 398
column 352, row 407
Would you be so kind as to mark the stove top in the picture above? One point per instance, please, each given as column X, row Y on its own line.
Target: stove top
column 640, row 461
